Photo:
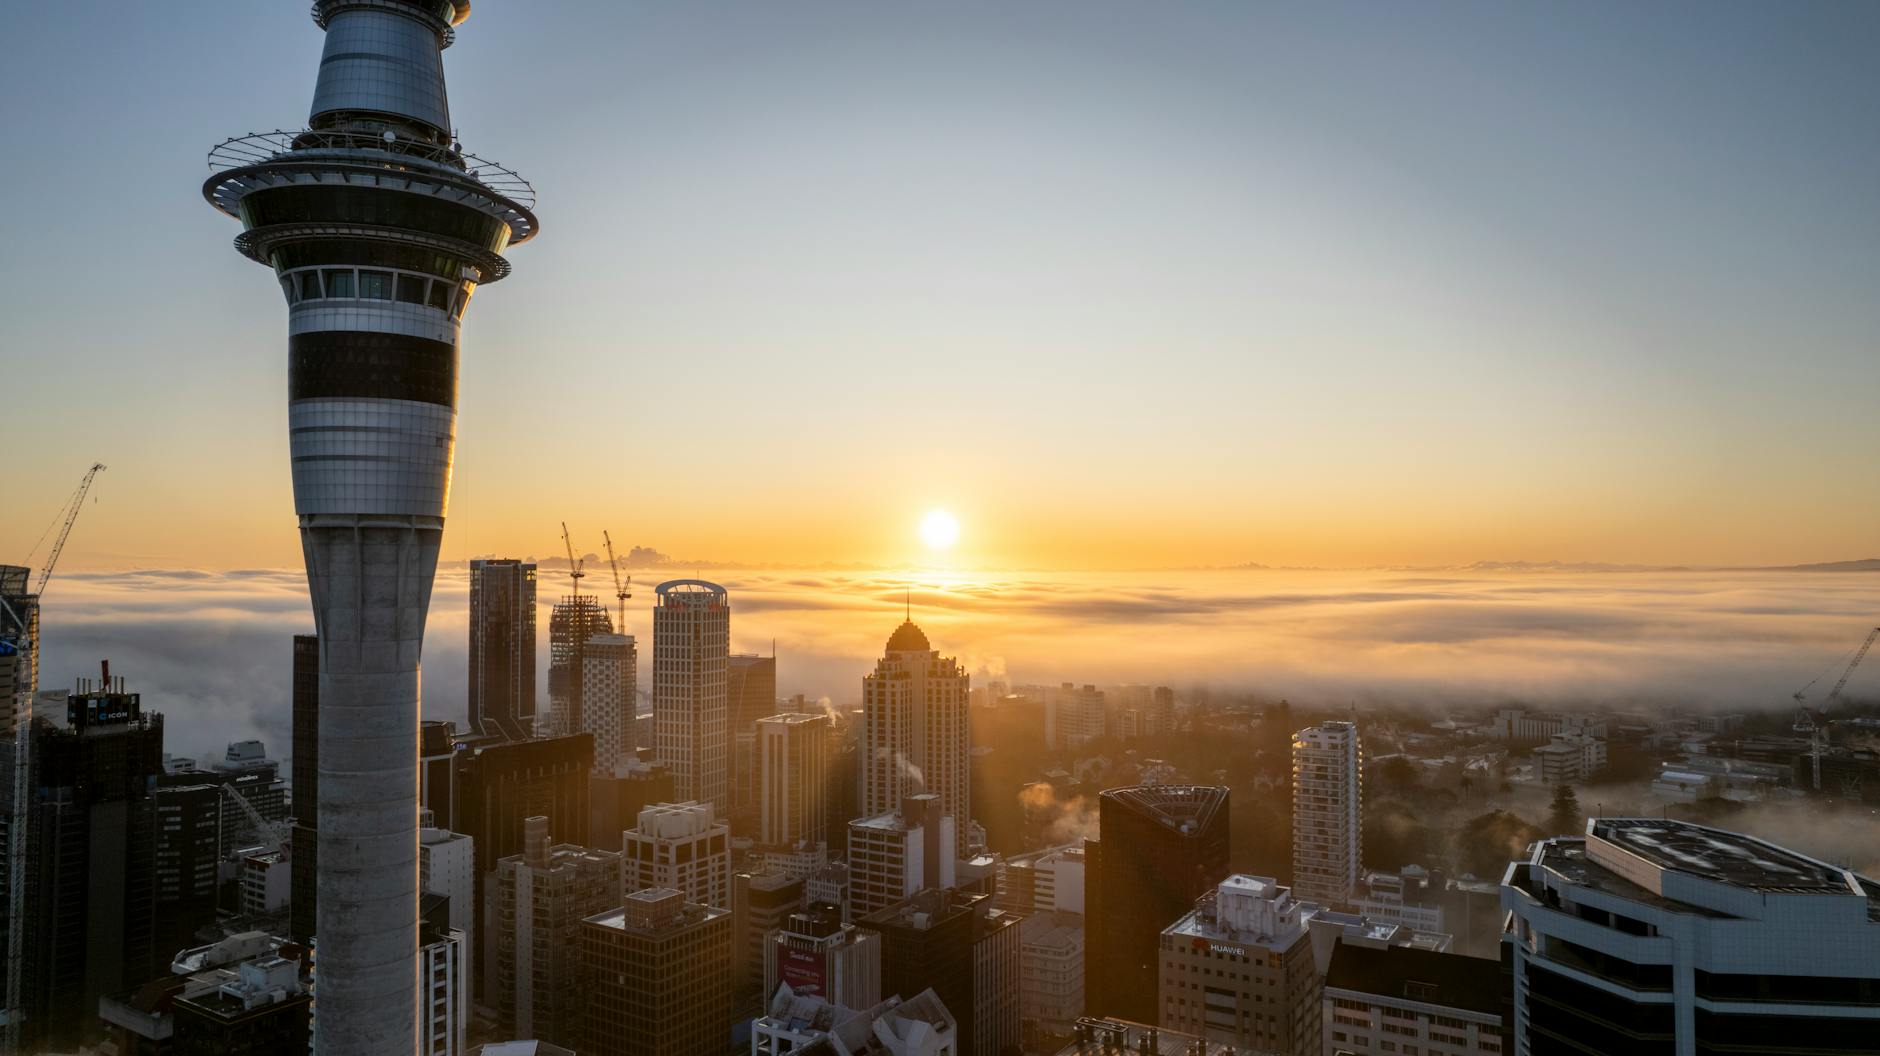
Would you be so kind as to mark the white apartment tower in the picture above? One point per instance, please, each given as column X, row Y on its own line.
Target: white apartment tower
column 609, row 681
column 691, row 638
column 681, row 846
column 447, row 866
column 894, row 856
column 792, row 775
column 1327, row 780
column 916, row 728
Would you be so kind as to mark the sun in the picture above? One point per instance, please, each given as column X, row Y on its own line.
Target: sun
column 940, row 529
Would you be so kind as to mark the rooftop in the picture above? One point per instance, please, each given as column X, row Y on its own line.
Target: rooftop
column 1176, row 806
column 1715, row 854
column 1405, row 972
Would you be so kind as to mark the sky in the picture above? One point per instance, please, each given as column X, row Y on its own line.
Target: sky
column 1122, row 285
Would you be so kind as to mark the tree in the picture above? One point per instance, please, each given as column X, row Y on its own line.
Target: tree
column 1564, row 816
column 1488, row 842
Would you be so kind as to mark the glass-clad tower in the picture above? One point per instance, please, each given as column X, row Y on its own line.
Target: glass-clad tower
column 379, row 227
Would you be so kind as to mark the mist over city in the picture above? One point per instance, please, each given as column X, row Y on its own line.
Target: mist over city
column 1075, row 528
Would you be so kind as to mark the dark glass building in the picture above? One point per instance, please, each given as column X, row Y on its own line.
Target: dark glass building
column 304, row 769
column 188, row 815
column 502, row 648
column 92, row 829
column 486, row 789
column 1162, row 847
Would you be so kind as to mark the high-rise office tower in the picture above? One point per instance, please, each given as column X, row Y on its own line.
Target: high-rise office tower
column 816, row 954
column 1238, row 970
column 1073, row 716
column 609, row 683
column 486, row 791
column 750, row 694
column 895, row 856
column 544, row 894
column 966, row 950
column 792, row 778
column 1161, row 847
column 502, row 647
column 379, row 229
column 682, row 846
column 575, row 619
column 615, row 800
column 93, row 830
column 19, row 666
column 305, row 771
column 691, row 636
column 1666, row 937
column 1328, row 828
column 916, row 729
column 658, row 977
column 762, row 900
column 189, row 820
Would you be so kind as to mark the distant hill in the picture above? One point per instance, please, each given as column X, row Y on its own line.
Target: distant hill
column 1866, row 564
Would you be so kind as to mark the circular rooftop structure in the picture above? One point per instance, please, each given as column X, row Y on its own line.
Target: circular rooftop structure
column 908, row 638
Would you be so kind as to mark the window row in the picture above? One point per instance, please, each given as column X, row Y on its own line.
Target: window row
column 370, row 284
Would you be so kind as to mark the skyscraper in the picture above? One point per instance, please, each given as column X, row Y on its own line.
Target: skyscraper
column 305, row 772
column 575, row 619
column 93, row 830
column 379, row 229
column 681, row 846
column 544, row 893
column 916, row 729
column 1327, row 829
column 792, row 778
column 19, row 666
column 659, row 977
column 691, row 636
column 750, row 694
column 1653, row 936
column 897, row 855
column 502, row 647
column 1162, row 847
column 609, row 684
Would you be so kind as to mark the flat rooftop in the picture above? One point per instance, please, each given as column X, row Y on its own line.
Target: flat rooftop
column 1715, row 854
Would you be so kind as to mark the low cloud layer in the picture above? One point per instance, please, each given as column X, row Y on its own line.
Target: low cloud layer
column 211, row 649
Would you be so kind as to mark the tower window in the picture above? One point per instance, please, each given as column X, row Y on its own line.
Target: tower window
column 309, row 285
column 375, row 285
column 340, row 283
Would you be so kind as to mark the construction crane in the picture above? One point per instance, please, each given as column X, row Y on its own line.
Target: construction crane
column 620, row 587
column 72, row 506
column 1814, row 721
column 22, row 709
column 272, row 834
column 574, row 567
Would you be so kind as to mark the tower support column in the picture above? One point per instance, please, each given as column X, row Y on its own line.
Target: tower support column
column 371, row 584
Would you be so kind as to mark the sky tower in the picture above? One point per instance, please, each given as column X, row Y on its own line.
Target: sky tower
column 379, row 227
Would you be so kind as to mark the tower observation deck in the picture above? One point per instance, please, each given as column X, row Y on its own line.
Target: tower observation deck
column 379, row 228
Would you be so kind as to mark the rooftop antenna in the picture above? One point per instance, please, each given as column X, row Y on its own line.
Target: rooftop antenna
column 910, row 605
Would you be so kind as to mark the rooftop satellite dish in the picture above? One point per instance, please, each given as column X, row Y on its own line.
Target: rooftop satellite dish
column 390, row 136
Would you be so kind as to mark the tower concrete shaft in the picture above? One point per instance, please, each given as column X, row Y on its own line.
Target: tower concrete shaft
column 379, row 228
